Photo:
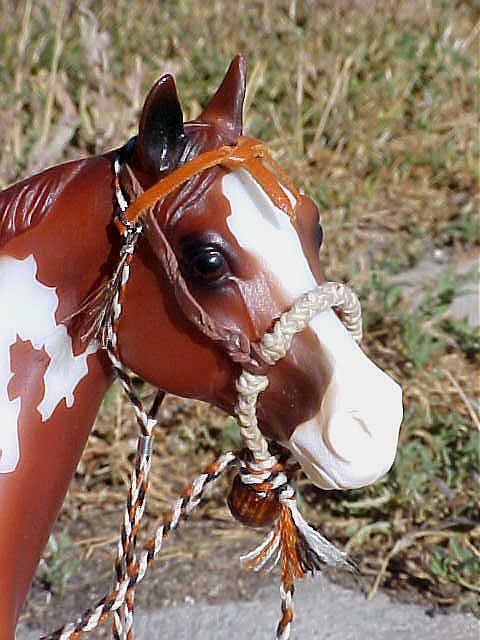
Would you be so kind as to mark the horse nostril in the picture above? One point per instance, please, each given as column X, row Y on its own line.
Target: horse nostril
column 348, row 435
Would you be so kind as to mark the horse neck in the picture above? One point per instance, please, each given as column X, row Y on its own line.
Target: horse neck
column 51, row 381
column 46, row 273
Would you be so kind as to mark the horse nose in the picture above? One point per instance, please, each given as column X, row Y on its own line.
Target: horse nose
column 352, row 440
column 365, row 439
column 350, row 448
column 348, row 433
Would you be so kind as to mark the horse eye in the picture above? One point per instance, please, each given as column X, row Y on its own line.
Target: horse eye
column 208, row 265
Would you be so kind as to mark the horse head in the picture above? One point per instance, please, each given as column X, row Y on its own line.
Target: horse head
column 244, row 244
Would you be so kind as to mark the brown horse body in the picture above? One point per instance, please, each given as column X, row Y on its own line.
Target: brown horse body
column 58, row 246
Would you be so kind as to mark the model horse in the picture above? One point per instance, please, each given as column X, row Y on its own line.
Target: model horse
column 242, row 262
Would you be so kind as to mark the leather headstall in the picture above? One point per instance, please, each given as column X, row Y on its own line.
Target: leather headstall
column 249, row 154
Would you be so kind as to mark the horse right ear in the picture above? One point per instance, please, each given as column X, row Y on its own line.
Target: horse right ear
column 161, row 127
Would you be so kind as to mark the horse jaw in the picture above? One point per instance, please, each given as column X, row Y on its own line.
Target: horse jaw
column 352, row 440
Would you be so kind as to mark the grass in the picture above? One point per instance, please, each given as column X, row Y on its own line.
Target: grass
column 57, row 565
column 371, row 107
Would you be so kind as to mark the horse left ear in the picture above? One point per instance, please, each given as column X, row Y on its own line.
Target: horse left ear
column 161, row 127
column 226, row 106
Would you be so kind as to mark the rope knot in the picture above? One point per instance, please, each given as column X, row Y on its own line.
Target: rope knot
column 253, row 499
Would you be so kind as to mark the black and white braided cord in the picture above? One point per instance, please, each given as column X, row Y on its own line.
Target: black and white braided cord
column 182, row 508
column 122, row 626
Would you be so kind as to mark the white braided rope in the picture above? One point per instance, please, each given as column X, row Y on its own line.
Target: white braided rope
column 249, row 387
column 275, row 344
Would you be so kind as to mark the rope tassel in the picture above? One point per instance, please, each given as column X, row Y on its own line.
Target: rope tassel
column 302, row 548
column 299, row 548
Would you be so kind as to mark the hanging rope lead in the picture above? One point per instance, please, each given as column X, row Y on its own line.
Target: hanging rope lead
column 299, row 547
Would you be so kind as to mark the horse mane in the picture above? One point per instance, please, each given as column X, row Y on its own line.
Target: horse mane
column 26, row 203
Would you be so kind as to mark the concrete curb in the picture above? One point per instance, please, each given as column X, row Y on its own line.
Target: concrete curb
column 323, row 610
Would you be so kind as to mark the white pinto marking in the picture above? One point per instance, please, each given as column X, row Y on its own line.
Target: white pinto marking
column 28, row 311
column 352, row 441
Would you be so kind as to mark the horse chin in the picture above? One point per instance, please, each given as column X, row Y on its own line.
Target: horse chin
column 350, row 448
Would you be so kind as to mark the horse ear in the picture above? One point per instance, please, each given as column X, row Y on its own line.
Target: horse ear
column 161, row 127
column 226, row 106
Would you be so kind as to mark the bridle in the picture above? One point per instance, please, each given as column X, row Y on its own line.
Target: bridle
column 264, row 479
column 132, row 219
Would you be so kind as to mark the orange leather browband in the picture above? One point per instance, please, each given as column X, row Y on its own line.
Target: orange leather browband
column 247, row 154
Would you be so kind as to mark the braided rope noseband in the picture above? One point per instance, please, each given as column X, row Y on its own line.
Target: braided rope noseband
column 264, row 470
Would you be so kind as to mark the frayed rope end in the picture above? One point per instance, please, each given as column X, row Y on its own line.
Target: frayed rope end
column 301, row 548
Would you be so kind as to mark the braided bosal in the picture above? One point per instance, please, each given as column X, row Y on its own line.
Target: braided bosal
column 265, row 469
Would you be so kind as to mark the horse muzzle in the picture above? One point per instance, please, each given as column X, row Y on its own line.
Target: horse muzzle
column 352, row 440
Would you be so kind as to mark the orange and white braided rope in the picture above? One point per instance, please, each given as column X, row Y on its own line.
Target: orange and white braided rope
column 181, row 509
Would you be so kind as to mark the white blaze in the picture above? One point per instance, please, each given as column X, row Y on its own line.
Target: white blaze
column 353, row 439
column 27, row 310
